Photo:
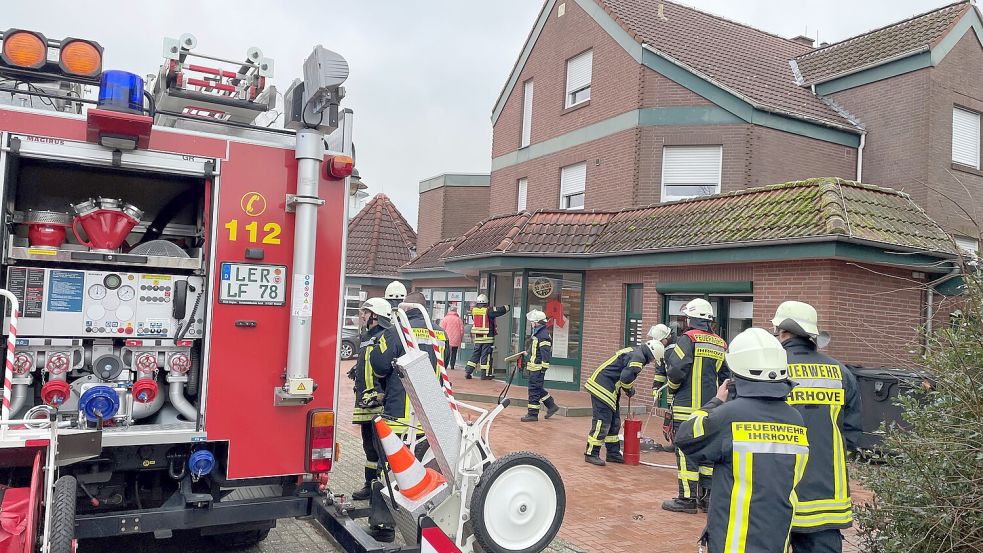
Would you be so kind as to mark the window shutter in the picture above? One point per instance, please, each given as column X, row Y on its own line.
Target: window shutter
column 579, row 71
column 523, row 189
column 573, row 180
column 526, row 114
column 966, row 137
column 689, row 171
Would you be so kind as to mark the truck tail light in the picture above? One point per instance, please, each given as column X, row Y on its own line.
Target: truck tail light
column 320, row 440
column 80, row 57
column 25, row 49
column 340, row 167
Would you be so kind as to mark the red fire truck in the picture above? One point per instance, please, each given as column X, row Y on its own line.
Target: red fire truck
column 163, row 255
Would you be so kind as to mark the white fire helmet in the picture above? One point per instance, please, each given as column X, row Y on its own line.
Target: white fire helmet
column 798, row 318
column 657, row 349
column 659, row 332
column 395, row 291
column 377, row 306
column 757, row 355
column 482, row 299
column 535, row 316
column 698, row 308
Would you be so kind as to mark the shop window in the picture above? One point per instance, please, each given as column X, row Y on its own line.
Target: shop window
column 733, row 314
column 560, row 296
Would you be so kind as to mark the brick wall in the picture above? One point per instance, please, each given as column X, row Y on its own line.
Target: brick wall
column 464, row 207
column 610, row 176
column 430, row 218
column 957, row 80
column 448, row 212
column 896, row 117
column 614, row 81
column 778, row 156
column 872, row 313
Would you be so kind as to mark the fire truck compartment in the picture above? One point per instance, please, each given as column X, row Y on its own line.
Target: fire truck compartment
column 107, row 260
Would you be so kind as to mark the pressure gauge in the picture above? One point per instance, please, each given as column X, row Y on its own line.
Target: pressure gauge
column 112, row 281
column 126, row 293
column 97, row 291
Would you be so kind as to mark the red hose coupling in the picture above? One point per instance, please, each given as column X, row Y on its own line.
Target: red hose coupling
column 55, row 392
column 145, row 390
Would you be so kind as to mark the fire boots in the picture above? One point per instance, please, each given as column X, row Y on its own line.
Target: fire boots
column 680, row 505
column 550, row 411
column 594, row 460
column 364, row 493
column 615, row 457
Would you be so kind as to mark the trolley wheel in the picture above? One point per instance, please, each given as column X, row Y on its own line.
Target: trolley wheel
column 62, row 535
column 518, row 504
column 347, row 350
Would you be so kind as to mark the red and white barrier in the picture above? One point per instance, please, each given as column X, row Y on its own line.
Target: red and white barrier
column 8, row 372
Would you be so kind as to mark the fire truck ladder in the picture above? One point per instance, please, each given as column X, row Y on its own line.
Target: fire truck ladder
column 187, row 90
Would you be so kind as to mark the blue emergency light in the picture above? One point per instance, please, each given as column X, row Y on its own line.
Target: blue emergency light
column 121, row 91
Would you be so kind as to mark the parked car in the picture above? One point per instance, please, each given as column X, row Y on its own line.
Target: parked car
column 349, row 343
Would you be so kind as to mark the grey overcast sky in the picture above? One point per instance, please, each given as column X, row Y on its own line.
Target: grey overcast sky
column 424, row 73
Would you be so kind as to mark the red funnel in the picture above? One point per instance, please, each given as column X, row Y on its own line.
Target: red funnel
column 105, row 228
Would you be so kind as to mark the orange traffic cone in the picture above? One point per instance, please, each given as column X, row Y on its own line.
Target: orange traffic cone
column 414, row 480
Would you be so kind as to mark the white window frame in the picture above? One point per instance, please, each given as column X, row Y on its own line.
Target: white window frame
column 969, row 246
column 569, row 192
column 966, row 121
column 527, row 96
column 668, row 197
column 522, row 195
column 576, row 84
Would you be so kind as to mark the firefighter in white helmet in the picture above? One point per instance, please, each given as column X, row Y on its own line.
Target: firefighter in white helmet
column 828, row 399
column 483, row 333
column 614, row 376
column 757, row 445
column 395, row 294
column 694, row 368
column 369, row 390
column 663, row 334
column 541, row 351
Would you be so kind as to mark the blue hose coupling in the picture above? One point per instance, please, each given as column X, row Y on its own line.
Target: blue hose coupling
column 201, row 463
column 99, row 401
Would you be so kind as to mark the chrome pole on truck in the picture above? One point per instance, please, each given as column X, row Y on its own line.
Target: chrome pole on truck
column 311, row 107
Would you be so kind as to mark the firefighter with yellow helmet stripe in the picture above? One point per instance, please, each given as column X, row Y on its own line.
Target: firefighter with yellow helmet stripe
column 483, row 333
column 614, row 376
column 541, row 352
column 828, row 399
column 369, row 390
column 757, row 445
column 696, row 365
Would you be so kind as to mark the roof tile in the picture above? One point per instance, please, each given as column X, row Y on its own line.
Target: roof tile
column 380, row 240
column 880, row 45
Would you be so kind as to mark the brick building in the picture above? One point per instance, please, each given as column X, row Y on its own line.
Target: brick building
column 450, row 204
column 614, row 105
column 380, row 241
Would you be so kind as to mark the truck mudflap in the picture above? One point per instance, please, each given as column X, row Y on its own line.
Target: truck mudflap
column 338, row 518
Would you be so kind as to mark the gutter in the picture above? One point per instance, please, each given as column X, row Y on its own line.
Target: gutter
column 745, row 98
column 710, row 247
column 860, row 156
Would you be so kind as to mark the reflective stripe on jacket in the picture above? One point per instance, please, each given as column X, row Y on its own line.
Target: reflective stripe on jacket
column 618, row 373
column 828, row 399
column 367, row 386
column 758, row 447
column 542, row 349
column 694, row 368
column 483, row 330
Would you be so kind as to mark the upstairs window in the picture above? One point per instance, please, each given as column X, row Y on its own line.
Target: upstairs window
column 966, row 137
column 573, row 182
column 523, row 189
column 526, row 113
column 578, row 78
column 690, row 171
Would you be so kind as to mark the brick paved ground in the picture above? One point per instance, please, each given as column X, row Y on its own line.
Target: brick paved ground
column 611, row 509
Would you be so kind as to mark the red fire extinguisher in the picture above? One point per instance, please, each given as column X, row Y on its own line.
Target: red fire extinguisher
column 633, row 441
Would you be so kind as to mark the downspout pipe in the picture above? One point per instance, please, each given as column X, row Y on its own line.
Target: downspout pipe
column 860, row 157
column 18, row 397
